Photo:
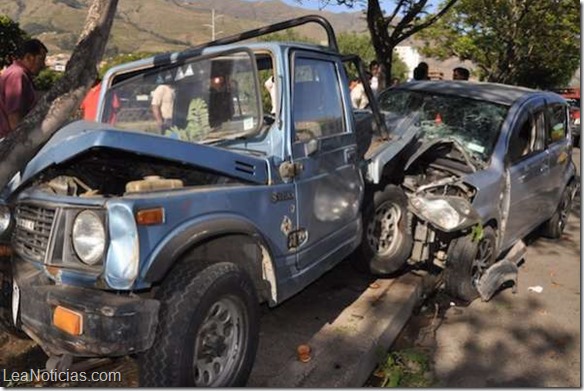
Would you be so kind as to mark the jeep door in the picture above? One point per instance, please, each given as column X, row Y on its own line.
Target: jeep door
column 528, row 170
column 328, row 182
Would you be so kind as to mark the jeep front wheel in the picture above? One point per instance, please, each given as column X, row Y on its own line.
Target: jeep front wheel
column 208, row 329
column 387, row 242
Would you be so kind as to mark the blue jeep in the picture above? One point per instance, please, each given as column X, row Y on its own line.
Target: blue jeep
column 163, row 233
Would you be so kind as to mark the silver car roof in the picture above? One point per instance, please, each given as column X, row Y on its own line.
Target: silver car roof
column 491, row 92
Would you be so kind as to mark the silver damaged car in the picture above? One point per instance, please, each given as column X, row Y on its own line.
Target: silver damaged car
column 478, row 167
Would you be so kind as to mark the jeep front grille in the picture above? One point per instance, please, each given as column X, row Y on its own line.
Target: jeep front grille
column 33, row 230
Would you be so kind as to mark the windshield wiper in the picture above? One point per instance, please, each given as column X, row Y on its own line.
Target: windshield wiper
column 217, row 140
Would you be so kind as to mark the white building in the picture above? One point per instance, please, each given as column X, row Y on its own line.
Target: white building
column 410, row 56
column 58, row 62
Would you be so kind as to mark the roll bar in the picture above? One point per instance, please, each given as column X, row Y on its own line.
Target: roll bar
column 332, row 39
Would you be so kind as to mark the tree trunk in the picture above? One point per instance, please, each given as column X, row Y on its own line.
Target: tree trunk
column 380, row 39
column 57, row 105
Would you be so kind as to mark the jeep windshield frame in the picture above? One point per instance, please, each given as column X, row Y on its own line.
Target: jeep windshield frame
column 204, row 98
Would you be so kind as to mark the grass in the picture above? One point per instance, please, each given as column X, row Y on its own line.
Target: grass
column 405, row 368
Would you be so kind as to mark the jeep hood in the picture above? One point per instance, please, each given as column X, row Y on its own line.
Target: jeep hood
column 81, row 137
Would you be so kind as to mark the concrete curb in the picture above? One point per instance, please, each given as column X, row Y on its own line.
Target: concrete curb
column 345, row 352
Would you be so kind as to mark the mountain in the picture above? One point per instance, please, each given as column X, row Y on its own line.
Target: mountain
column 161, row 25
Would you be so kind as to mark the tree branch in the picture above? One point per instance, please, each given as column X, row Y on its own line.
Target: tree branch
column 56, row 106
column 428, row 22
column 395, row 11
column 415, row 9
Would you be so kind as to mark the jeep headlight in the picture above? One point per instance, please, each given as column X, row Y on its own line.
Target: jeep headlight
column 123, row 255
column 88, row 237
column 4, row 218
column 446, row 213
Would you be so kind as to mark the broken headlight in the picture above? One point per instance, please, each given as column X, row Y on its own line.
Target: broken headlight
column 446, row 213
column 123, row 254
column 88, row 237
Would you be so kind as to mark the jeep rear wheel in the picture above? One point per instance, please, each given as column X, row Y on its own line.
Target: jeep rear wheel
column 208, row 329
column 387, row 243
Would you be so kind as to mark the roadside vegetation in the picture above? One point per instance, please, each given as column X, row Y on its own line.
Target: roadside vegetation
column 404, row 368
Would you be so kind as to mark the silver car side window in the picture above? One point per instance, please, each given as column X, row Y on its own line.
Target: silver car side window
column 528, row 137
column 557, row 127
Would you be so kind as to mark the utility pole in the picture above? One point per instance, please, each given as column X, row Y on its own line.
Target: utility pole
column 212, row 25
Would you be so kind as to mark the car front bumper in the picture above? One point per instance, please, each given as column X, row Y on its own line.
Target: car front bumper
column 113, row 324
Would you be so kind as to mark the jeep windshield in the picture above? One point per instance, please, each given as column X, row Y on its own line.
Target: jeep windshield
column 474, row 124
column 201, row 100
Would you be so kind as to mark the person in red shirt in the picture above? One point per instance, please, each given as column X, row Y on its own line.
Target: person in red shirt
column 89, row 104
column 17, row 93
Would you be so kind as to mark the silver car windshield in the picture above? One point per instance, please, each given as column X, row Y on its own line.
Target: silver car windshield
column 201, row 100
column 473, row 123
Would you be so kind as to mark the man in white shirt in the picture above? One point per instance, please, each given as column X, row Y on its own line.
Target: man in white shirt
column 358, row 97
column 374, row 81
column 163, row 105
column 271, row 87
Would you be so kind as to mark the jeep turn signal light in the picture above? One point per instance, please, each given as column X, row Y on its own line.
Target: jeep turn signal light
column 68, row 320
column 150, row 216
column 5, row 250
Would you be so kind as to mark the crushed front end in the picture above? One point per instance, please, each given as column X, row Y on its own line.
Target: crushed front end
column 70, row 287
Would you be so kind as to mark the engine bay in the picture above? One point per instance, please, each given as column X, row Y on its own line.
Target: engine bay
column 110, row 173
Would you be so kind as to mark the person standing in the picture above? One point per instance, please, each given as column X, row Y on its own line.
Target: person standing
column 89, row 104
column 460, row 73
column 17, row 93
column 359, row 98
column 375, row 70
column 163, row 105
column 421, row 71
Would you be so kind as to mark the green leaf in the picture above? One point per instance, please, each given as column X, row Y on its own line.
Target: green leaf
column 477, row 232
column 538, row 46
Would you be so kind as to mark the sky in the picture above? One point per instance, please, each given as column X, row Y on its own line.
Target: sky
column 331, row 5
column 315, row 4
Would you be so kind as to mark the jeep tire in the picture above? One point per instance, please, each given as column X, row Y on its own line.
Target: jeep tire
column 467, row 260
column 208, row 328
column 387, row 240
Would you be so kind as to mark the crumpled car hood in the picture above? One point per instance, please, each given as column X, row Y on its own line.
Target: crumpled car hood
column 81, row 136
column 428, row 146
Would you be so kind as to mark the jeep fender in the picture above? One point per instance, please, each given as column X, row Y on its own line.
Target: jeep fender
column 194, row 232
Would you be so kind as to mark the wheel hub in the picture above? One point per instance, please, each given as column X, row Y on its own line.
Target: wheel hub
column 382, row 229
column 564, row 210
column 219, row 343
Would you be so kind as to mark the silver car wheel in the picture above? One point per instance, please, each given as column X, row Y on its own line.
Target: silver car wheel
column 383, row 229
column 219, row 342
column 565, row 205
